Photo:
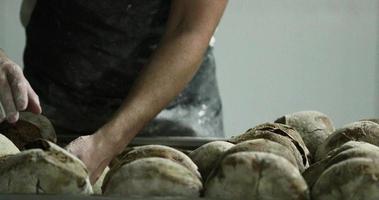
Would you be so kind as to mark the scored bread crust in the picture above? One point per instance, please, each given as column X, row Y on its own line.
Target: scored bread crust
column 50, row 170
column 256, row 175
column 152, row 176
column 148, row 151
column 355, row 178
column 263, row 145
column 352, row 149
column 365, row 131
column 313, row 126
column 208, row 154
column 281, row 130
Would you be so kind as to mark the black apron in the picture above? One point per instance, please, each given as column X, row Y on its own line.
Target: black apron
column 82, row 57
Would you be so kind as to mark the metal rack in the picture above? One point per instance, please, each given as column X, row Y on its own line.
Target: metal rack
column 187, row 143
column 77, row 197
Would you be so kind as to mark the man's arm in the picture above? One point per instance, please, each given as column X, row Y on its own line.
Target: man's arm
column 190, row 26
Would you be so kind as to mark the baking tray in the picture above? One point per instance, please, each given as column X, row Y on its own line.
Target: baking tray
column 82, row 197
column 187, row 143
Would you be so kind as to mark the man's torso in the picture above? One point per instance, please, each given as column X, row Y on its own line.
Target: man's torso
column 82, row 57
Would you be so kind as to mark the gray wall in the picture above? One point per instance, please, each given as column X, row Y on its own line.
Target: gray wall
column 12, row 37
column 276, row 57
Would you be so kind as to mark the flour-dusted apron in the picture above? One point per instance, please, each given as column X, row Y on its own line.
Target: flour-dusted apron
column 82, row 57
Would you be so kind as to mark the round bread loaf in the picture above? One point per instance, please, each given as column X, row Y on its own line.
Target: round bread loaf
column 208, row 154
column 352, row 149
column 299, row 156
column 351, row 179
column 263, row 145
column 48, row 170
column 277, row 129
column 152, row 176
column 28, row 128
column 358, row 131
column 313, row 126
column 161, row 151
column 256, row 175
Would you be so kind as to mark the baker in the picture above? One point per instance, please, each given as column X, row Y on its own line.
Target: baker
column 105, row 71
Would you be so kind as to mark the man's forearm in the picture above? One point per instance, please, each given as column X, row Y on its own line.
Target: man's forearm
column 190, row 26
column 172, row 66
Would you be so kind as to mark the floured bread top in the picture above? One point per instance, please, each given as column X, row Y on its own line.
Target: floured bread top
column 161, row 151
column 152, row 176
column 46, row 169
column 7, row 147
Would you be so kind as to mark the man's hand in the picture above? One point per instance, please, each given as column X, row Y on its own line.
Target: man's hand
column 96, row 151
column 16, row 94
